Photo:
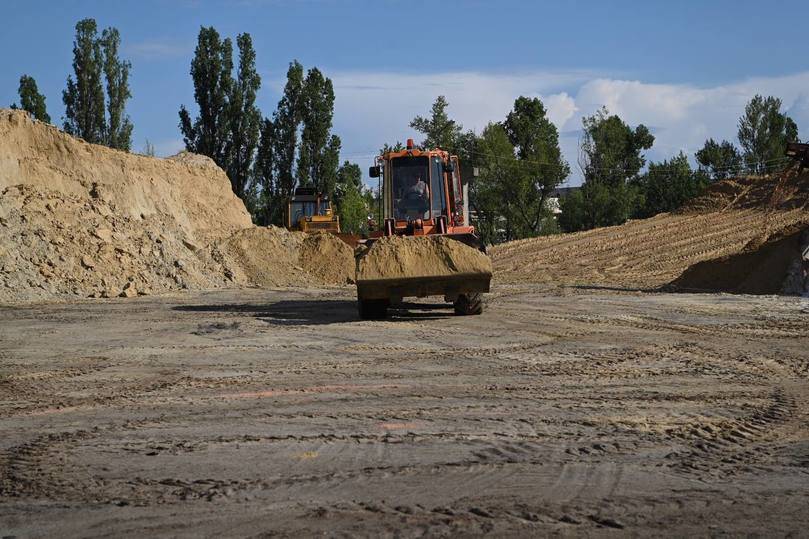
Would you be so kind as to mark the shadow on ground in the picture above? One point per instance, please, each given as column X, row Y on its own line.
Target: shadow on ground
column 319, row 312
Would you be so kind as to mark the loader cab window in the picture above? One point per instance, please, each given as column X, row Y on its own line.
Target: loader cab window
column 437, row 176
column 410, row 189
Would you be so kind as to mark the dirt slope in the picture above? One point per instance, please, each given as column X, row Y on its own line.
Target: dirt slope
column 734, row 217
column 79, row 220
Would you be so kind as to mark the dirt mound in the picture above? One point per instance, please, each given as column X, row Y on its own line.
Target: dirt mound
column 272, row 256
column 192, row 191
column 78, row 219
column 53, row 243
column 786, row 191
column 734, row 217
column 769, row 267
column 327, row 258
column 397, row 257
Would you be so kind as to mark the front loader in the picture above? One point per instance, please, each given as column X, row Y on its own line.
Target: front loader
column 423, row 200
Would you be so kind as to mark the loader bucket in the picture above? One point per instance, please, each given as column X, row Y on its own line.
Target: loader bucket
column 397, row 267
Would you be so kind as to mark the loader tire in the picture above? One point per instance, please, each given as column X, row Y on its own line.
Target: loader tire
column 373, row 309
column 468, row 304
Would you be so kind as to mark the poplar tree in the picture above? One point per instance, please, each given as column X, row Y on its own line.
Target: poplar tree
column 286, row 121
column 244, row 118
column 118, row 131
column 84, row 96
column 211, row 72
column 316, row 165
column 87, row 113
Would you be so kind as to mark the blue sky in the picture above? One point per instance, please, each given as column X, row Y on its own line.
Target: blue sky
column 685, row 68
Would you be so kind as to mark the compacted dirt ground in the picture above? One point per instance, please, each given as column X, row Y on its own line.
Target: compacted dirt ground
column 261, row 412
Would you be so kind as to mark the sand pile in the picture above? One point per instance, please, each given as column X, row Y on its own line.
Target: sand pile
column 274, row 256
column 769, row 267
column 83, row 220
column 735, row 217
column 397, row 257
column 786, row 191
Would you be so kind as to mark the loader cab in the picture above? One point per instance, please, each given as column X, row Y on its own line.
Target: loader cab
column 414, row 186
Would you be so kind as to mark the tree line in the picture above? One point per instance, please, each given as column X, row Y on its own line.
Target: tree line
column 95, row 95
column 266, row 157
column 520, row 165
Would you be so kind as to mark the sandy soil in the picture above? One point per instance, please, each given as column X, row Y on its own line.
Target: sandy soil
column 569, row 411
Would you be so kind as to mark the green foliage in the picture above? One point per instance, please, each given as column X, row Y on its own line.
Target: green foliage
column 764, row 132
column 352, row 205
column 611, row 158
column 349, row 174
column 439, row 129
column 542, row 167
column 88, row 114
column 668, row 185
column 316, row 160
column 211, row 72
column 229, row 123
column 353, row 210
column 84, row 96
column 118, row 131
column 387, row 148
column 244, row 119
column 719, row 160
column 597, row 204
column 487, row 193
column 286, row 120
column 31, row 100
column 268, row 207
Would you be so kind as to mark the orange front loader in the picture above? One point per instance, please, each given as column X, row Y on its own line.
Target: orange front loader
column 422, row 194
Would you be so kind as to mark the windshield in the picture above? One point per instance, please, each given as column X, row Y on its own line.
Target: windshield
column 298, row 210
column 410, row 186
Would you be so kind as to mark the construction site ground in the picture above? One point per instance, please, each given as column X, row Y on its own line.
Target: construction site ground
column 570, row 410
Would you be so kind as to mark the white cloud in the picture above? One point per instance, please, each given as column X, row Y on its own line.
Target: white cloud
column 374, row 108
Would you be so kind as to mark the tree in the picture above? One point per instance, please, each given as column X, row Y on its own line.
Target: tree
column 244, row 119
column 316, row 164
column 489, row 192
column 211, row 72
column 118, row 131
column 84, row 97
column 386, row 148
column 441, row 132
column 668, row 185
column 719, row 160
column 764, row 132
column 268, row 209
column 611, row 156
column 353, row 210
column 349, row 174
column 542, row 169
column 286, row 120
column 31, row 100
column 351, row 205
column 90, row 114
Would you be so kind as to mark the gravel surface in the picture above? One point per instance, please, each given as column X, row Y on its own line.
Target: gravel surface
column 559, row 410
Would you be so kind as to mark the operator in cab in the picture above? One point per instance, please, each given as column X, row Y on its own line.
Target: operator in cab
column 415, row 199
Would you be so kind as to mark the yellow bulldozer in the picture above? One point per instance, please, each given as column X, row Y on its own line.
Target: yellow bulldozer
column 310, row 211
